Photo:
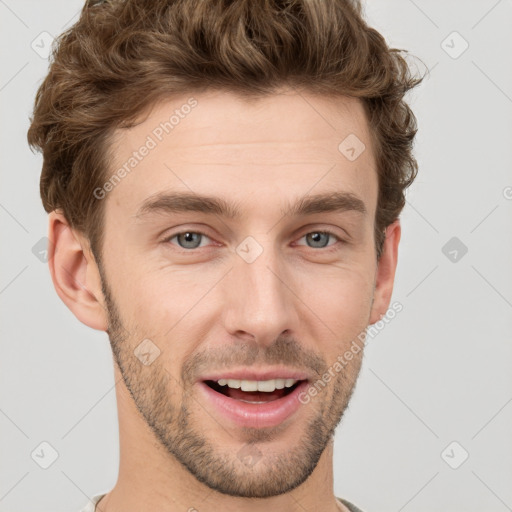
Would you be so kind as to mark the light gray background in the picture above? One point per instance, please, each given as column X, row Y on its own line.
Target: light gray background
column 438, row 373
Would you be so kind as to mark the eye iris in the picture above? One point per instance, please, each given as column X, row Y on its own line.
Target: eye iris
column 316, row 235
column 187, row 237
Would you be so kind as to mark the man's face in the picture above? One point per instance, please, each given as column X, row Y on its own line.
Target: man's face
column 262, row 295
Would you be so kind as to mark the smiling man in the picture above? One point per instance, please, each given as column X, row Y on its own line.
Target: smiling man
column 224, row 181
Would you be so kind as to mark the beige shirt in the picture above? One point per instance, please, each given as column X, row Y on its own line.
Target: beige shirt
column 91, row 506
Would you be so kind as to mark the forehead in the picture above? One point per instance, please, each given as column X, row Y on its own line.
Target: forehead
column 268, row 150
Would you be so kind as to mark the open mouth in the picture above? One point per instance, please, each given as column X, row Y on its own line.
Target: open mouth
column 267, row 391
column 253, row 403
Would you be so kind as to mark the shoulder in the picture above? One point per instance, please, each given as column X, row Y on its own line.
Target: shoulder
column 349, row 505
column 91, row 506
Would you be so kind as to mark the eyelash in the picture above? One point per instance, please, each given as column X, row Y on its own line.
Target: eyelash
column 324, row 232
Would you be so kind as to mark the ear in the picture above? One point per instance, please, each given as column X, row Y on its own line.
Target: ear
column 75, row 273
column 385, row 275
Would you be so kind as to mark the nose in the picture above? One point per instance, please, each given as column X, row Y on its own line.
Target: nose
column 261, row 303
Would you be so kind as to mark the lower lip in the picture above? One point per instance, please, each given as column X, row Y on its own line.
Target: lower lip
column 255, row 415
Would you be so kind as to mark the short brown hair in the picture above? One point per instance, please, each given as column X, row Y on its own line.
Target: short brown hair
column 123, row 56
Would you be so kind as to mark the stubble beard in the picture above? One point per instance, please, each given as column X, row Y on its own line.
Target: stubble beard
column 266, row 474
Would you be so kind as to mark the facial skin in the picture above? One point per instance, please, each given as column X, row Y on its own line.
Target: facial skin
column 298, row 305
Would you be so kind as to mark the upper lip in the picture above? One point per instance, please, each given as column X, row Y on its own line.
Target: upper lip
column 252, row 374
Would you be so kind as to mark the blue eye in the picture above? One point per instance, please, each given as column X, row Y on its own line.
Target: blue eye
column 320, row 238
column 188, row 238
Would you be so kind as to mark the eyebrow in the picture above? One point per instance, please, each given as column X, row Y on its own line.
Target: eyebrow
column 180, row 202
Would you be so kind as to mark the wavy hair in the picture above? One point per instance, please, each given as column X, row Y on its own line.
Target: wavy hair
column 123, row 56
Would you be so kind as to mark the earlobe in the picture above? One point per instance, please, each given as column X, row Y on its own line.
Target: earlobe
column 75, row 274
column 385, row 276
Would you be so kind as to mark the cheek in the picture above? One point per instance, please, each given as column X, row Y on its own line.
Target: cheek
column 341, row 298
column 162, row 302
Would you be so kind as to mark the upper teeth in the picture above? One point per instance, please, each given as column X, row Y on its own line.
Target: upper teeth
column 257, row 385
